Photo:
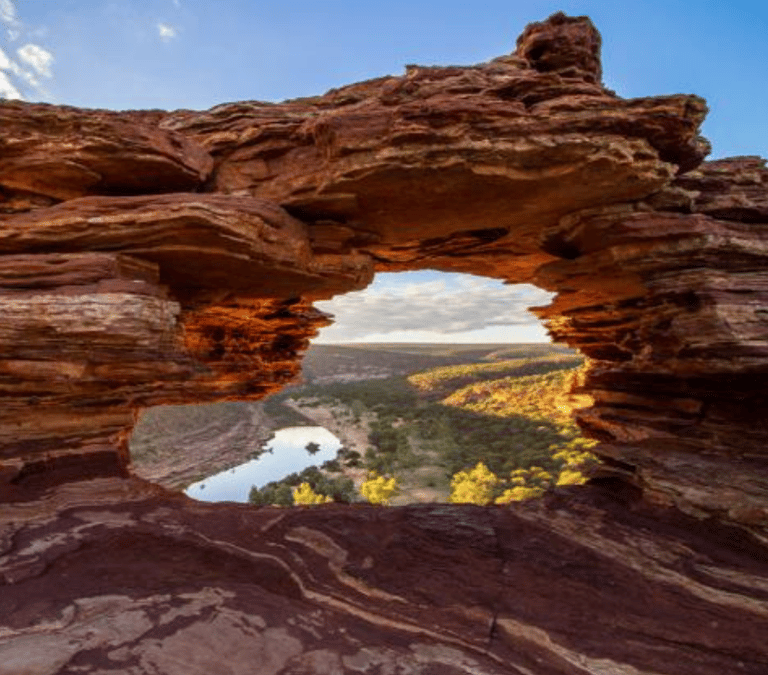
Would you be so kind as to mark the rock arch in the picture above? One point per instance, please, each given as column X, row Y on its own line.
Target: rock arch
column 152, row 257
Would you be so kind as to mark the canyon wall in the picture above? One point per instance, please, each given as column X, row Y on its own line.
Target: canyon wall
column 151, row 258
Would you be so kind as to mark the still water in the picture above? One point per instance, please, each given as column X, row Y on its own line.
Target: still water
column 285, row 453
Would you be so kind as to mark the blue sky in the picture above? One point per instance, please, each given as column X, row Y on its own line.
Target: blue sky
column 197, row 53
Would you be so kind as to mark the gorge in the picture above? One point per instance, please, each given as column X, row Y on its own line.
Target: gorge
column 151, row 258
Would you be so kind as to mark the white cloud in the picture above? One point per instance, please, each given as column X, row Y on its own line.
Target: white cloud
column 166, row 32
column 8, row 13
column 11, row 66
column 177, row 3
column 7, row 90
column 450, row 305
column 37, row 57
column 19, row 73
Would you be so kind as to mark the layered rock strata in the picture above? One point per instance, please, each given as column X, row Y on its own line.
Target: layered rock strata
column 151, row 257
column 677, row 338
column 113, row 576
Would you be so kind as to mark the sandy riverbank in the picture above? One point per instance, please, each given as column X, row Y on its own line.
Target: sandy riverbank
column 338, row 419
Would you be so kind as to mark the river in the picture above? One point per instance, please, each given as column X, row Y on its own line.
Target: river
column 285, row 453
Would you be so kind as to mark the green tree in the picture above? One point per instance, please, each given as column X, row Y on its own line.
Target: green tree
column 275, row 493
column 358, row 409
column 352, row 458
column 379, row 463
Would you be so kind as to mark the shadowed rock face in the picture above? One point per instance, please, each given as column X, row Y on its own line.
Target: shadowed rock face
column 150, row 258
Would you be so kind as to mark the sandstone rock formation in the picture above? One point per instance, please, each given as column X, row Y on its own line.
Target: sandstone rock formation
column 150, row 258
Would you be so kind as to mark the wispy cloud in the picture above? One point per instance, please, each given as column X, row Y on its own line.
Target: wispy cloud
column 8, row 14
column 166, row 31
column 455, row 304
column 19, row 75
column 5, row 62
column 7, row 90
column 37, row 57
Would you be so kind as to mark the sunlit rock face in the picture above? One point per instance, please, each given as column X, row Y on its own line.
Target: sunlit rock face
column 150, row 258
column 678, row 336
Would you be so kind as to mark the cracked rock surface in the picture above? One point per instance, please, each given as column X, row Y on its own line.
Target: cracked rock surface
column 117, row 576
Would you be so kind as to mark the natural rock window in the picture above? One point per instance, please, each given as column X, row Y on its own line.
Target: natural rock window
column 437, row 307
column 419, row 325
column 151, row 258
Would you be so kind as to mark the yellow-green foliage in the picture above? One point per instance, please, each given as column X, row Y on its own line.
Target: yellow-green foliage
column 377, row 489
column 475, row 486
column 452, row 377
column 574, row 457
column 305, row 495
column 478, row 485
column 526, row 484
column 519, row 493
column 545, row 397
column 571, row 477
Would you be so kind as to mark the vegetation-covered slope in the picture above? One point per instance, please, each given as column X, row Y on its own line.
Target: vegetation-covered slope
column 425, row 428
column 440, row 382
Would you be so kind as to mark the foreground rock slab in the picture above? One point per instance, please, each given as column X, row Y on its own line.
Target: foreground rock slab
column 118, row 576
